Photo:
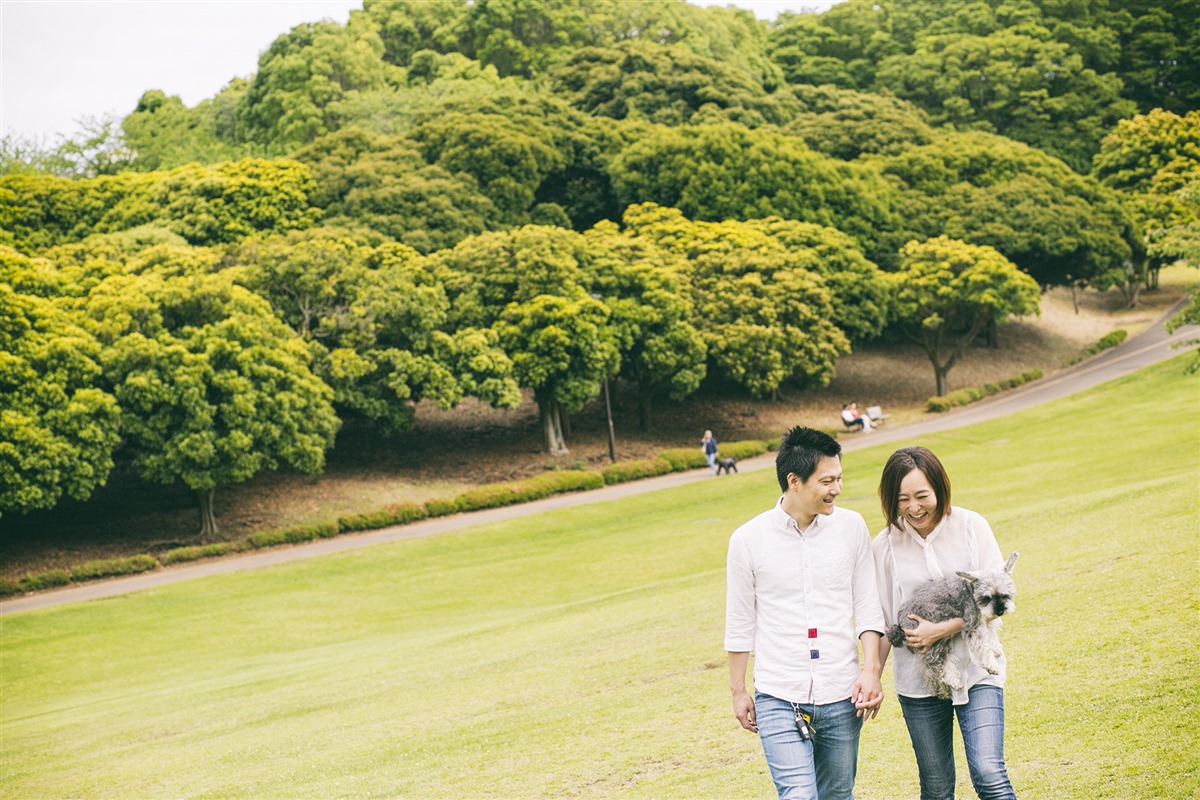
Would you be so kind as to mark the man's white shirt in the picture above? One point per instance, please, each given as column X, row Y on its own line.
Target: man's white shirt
column 799, row 599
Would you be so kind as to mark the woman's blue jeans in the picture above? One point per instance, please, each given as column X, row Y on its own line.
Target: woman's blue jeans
column 823, row 766
column 930, row 723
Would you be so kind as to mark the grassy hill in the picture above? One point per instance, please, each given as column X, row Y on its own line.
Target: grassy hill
column 578, row 653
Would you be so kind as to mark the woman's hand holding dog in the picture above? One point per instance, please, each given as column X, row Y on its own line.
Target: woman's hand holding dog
column 922, row 637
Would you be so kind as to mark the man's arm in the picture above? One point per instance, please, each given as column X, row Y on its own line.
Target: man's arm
column 743, row 703
column 867, row 693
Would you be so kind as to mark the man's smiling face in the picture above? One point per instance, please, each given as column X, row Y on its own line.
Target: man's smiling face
column 805, row 499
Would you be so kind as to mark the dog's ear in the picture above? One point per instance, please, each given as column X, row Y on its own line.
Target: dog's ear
column 1008, row 565
column 969, row 577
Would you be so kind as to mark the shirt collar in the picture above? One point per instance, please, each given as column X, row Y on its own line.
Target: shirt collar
column 787, row 522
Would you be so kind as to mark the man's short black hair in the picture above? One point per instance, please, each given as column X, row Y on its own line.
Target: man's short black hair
column 799, row 451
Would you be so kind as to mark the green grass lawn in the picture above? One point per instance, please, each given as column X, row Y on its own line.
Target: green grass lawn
column 578, row 653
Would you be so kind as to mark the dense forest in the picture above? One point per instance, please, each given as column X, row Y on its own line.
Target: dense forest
column 453, row 198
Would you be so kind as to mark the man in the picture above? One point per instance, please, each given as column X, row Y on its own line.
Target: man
column 801, row 593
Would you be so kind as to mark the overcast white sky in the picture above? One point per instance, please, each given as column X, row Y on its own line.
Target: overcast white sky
column 64, row 60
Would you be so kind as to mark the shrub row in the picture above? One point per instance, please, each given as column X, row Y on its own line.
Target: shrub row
column 494, row 495
column 1107, row 341
column 962, row 397
column 87, row 571
column 490, row 495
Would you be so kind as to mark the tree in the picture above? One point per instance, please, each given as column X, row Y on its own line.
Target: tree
column 1059, row 227
column 561, row 349
column 304, row 75
column 1153, row 162
column 162, row 133
column 857, row 289
column 213, row 389
column 376, row 321
column 666, row 84
column 765, row 319
column 845, row 124
column 58, row 430
column 1190, row 315
column 724, row 171
column 652, row 313
column 946, row 292
column 1137, row 149
column 383, row 183
column 530, row 285
column 1014, row 81
column 508, row 157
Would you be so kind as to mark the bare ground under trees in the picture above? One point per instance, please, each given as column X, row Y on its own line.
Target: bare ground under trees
column 450, row 451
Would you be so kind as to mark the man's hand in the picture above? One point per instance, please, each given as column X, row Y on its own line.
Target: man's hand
column 867, row 694
column 743, row 709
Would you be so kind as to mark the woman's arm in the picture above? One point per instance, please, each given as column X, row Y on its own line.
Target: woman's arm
column 927, row 633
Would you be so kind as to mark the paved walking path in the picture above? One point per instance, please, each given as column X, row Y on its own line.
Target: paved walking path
column 1151, row 346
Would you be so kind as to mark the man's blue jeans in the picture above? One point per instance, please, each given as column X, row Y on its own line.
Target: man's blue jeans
column 931, row 727
column 821, row 767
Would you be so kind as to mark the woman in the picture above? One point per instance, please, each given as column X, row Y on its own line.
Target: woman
column 927, row 538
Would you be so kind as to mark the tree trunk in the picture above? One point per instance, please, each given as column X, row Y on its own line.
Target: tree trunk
column 939, row 373
column 645, row 403
column 208, row 520
column 993, row 335
column 1075, row 297
column 556, row 443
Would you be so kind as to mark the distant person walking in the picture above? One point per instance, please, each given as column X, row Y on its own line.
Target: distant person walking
column 709, row 445
column 801, row 594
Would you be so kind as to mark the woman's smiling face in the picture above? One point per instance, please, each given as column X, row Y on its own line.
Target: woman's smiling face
column 918, row 502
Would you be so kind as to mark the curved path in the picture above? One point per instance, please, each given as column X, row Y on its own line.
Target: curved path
column 1151, row 346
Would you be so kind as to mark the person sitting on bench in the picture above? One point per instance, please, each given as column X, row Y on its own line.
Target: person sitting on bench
column 852, row 418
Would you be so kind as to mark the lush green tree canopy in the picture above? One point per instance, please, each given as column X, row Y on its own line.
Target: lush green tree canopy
column 1055, row 75
column 947, row 291
column 304, row 75
column 58, row 430
column 1056, row 225
column 764, row 317
column 213, row 389
column 724, row 171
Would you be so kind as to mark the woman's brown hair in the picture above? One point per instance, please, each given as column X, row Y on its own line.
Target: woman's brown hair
column 902, row 462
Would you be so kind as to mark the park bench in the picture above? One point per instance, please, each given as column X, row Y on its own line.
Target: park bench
column 874, row 413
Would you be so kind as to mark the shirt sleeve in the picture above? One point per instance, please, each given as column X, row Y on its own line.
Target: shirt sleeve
column 868, row 614
column 739, row 597
column 988, row 554
column 883, row 575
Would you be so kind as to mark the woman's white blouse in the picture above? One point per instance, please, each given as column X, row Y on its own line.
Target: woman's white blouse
column 963, row 540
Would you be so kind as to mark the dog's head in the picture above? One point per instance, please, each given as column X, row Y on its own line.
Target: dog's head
column 993, row 590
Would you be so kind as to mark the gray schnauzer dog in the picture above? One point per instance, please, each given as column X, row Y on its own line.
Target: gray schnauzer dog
column 979, row 598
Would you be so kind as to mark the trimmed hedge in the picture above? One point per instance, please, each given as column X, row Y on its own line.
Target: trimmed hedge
column 683, row 458
column 305, row 533
column 624, row 471
column 1106, row 342
column 393, row 514
column 440, row 507
column 744, row 449
column 494, row 495
column 112, row 567
column 197, row 552
column 962, row 397
column 44, row 580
